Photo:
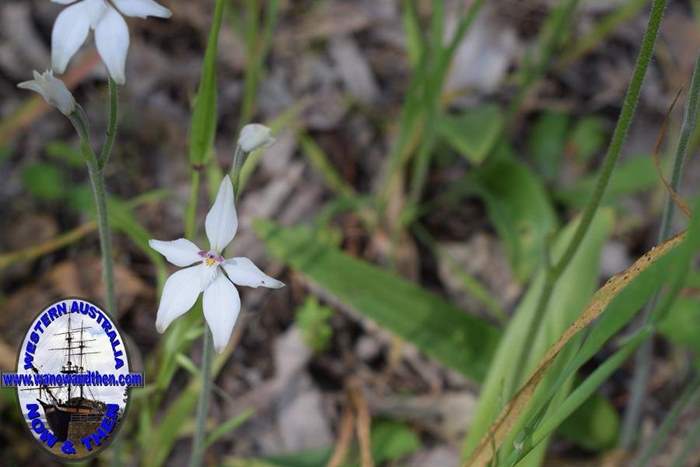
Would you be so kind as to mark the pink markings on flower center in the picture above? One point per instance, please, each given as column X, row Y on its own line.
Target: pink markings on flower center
column 211, row 258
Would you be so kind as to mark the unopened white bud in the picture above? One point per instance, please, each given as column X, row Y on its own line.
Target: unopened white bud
column 53, row 91
column 255, row 136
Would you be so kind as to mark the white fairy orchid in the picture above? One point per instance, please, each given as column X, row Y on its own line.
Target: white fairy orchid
column 111, row 32
column 255, row 136
column 53, row 90
column 213, row 275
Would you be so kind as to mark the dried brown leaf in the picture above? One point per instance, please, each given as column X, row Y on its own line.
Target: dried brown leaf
column 505, row 422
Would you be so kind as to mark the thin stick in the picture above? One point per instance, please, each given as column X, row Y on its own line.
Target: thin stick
column 80, row 122
column 342, row 445
column 363, row 423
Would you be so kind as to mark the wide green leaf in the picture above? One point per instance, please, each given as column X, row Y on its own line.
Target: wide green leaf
column 547, row 141
column 474, row 132
column 519, row 209
column 44, row 181
column 439, row 329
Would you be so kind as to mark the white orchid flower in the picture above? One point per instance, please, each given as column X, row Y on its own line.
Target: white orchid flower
column 254, row 136
column 53, row 90
column 213, row 275
column 111, row 32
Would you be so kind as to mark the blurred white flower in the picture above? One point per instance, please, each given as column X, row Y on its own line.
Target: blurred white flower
column 111, row 33
column 255, row 136
column 214, row 275
column 53, row 91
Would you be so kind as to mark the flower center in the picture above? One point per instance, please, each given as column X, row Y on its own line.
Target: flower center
column 211, row 258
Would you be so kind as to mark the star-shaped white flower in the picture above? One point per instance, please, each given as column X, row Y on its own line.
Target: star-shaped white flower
column 111, row 32
column 214, row 275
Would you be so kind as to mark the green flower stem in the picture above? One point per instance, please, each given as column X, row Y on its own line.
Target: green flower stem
column 191, row 212
column 644, row 355
column 95, row 172
column 97, row 182
column 198, row 447
column 624, row 121
column 113, row 114
column 199, row 441
column 199, row 444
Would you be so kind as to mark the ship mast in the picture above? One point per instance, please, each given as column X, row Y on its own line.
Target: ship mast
column 70, row 368
column 69, row 346
column 82, row 348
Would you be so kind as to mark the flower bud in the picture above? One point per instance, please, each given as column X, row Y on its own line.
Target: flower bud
column 53, row 91
column 255, row 136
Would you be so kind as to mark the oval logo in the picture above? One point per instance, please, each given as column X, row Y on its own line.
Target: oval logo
column 73, row 379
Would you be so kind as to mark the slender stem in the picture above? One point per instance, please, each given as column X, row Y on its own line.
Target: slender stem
column 112, row 115
column 624, row 121
column 645, row 353
column 100, row 195
column 191, row 212
column 199, row 445
column 629, row 108
column 99, row 192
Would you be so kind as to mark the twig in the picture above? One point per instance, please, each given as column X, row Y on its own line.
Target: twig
column 342, row 445
column 363, row 423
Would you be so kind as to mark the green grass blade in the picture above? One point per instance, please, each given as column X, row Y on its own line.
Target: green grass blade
column 204, row 117
column 585, row 389
column 569, row 297
column 228, row 426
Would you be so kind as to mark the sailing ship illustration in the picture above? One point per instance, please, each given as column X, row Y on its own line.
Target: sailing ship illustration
column 71, row 410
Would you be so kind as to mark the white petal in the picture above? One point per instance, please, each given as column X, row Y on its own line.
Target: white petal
column 63, row 2
column 242, row 271
column 112, row 39
column 221, row 307
column 69, row 32
column 222, row 222
column 95, row 10
column 209, row 274
column 142, row 8
column 180, row 252
column 32, row 86
column 179, row 295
